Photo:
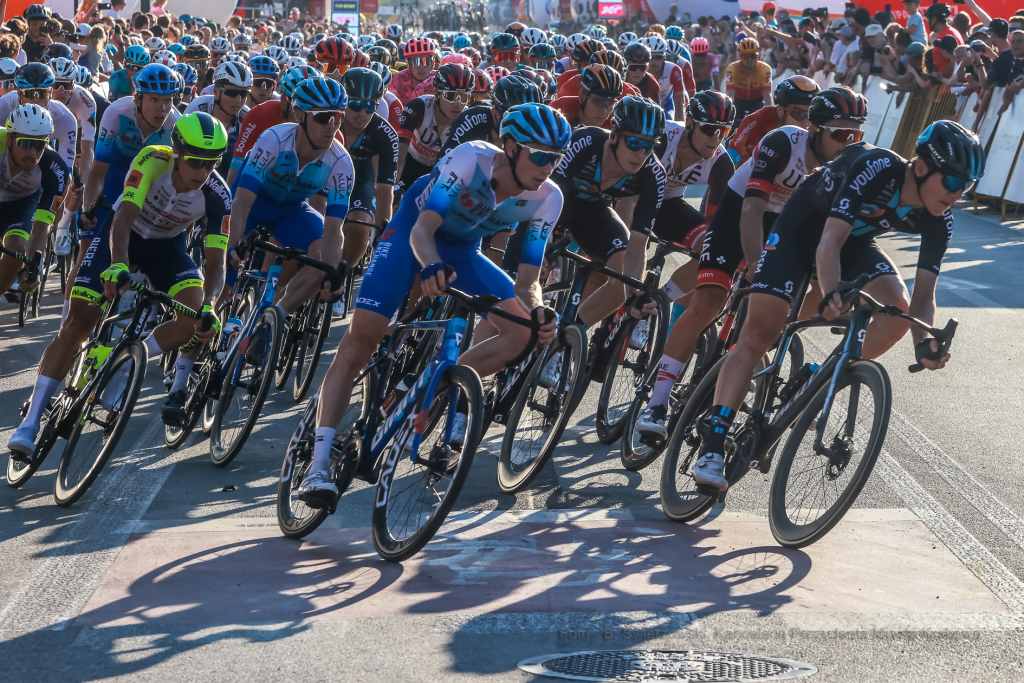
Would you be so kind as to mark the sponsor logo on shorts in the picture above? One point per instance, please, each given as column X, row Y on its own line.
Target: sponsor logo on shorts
column 773, row 241
column 368, row 302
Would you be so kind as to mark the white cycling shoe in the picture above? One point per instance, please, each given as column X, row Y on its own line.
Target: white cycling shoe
column 23, row 440
column 459, row 425
column 317, row 484
column 652, row 422
column 638, row 340
column 62, row 243
column 710, row 471
column 339, row 307
column 551, row 372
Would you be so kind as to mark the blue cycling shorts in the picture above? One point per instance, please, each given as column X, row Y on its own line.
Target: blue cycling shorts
column 113, row 188
column 295, row 224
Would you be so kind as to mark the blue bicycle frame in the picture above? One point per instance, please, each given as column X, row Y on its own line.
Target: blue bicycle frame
column 266, row 301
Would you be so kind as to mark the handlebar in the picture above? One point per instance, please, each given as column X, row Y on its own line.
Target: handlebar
column 256, row 238
column 91, row 213
column 145, row 293
column 559, row 249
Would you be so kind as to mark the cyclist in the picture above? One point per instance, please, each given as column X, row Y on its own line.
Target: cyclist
column 198, row 56
column 476, row 190
column 426, row 121
column 374, row 139
column 33, row 178
column 481, row 90
column 419, row 59
column 289, row 164
column 167, row 189
column 505, row 51
column 190, row 77
column 830, row 227
column 35, row 83
column 231, row 85
column 676, row 54
column 122, row 81
column 638, row 58
column 82, row 105
column 749, row 81
column 612, row 60
column 706, row 73
column 792, row 97
column 600, row 87
column 671, row 81
column 744, row 225
column 579, row 60
column 542, row 57
column 394, row 104
column 483, row 123
column 604, row 166
column 265, row 73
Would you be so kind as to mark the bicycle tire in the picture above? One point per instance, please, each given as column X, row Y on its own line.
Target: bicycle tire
column 313, row 340
column 22, row 308
column 785, row 529
column 66, row 492
column 350, row 291
column 573, row 340
column 293, row 334
column 20, row 472
column 394, row 549
column 62, row 268
column 221, row 455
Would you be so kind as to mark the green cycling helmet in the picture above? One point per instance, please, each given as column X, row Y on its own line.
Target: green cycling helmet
column 199, row 134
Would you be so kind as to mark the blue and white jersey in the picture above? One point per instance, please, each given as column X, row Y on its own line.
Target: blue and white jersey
column 460, row 191
column 272, row 171
column 119, row 140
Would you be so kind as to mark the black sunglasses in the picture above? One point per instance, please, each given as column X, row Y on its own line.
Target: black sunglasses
column 35, row 144
column 197, row 163
column 264, row 83
column 235, row 93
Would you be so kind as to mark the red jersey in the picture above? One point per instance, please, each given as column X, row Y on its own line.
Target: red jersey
column 259, row 118
column 572, row 88
column 940, row 60
column 570, row 108
column 403, row 85
column 688, row 81
column 750, row 131
column 564, row 78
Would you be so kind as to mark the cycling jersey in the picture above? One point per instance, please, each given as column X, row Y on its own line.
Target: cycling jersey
column 705, row 73
column 648, row 87
column 272, row 170
column 571, row 88
column 418, row 126
column 748, row 86
column 862, row 187
column 65, row 127
column 579, row 177
column 687, row 68
column 777, row 168
column 378, row 140
column 206, row 104
column 671, row 84
column 750, row 131
column 258, row 119
column 564, row 78
column 83, row 107
column 394, row 109
column 119, row 140
column 476, row 123
column 119, row 85
column 403, row 84
column 570, row 108
column 700, row 173
column 38, row 193
column 562, row 65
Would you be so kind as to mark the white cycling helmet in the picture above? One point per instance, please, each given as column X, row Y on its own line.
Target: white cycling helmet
column 277, row 53
column 627, row 38
column 294, row 61
column 572, row 41
column 63, row 69
column 154, row 44
column 220, row 45
column 165, row 57
column 30, row 119
column 242, row 42
column 232, row 73
column 242, row 54
column 291, row 44
column 531, row 37
column 656, row 44
column 365, row 41
column 8, row 67
column 394, row 32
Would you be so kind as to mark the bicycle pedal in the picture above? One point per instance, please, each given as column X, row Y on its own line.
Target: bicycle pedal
column 24, row 458
column 23, row 411
column 709, row 491
column 653, row 442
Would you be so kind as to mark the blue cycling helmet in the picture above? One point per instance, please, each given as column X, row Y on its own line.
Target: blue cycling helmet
column 186, row 71
column 55, row 50
column 673, row 33
column 136, row 55
column 34, row 75
column 186, row 41
column 295, row 75
column 264, row 66
column 319, row 94
column 538, row 124
column 640, row 116
column 462, row 41
column 157, row 79
column 952, row 149
column 178, row 50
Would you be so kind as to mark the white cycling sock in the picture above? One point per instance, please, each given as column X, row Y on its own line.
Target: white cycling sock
column 42, row 392
column 669, row 371
column 673, row 290
column 322, row 449
column 182, row 368
column 284, row 313
column 152, row 346
column 64, row 311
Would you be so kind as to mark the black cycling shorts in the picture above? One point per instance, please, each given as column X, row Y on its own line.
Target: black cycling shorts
column 722, row 252
column 679, row 222
column 411, row 172
column 793, row 246
column 364, row 189
column 595, row 227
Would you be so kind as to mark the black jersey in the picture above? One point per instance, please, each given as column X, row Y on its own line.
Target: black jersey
column 379, row 140
column 579, row 177
column 101, row 106
column 473, row 124
column 862, row 187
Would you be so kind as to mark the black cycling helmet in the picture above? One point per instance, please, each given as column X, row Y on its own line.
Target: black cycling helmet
column 36, row 12
column 639, row 116
column 512, row 90
column 609, row 58
column 636, row 53
column 454, row 76
column 600, row 80
column 837, row 103
column 711, row 107
column 585, row 49
column 197, row 53
column 542, row 52
column 795, row 90
column 362, row 84
column 952, row 149
column 939, row 9
column 503, row 42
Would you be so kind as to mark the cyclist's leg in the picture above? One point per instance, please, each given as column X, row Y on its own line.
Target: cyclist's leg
column 604, row 237
column 170, row 269
column 16, row 217
column 302, row 228
column 863, row 256
column 362, row 206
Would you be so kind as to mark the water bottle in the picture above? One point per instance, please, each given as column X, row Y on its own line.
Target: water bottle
column 227, row 336
column 398, row 394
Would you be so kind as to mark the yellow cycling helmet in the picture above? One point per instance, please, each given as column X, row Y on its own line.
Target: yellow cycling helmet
column 748, row 45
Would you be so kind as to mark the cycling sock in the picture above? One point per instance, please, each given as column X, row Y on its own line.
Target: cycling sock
column 721, row 420
column 284, row 313
column 153, row 347
column 182, row 368
column 42, row 392
column 322, row 449
column 677, row 311
column 64, row 311
column 669, row 371
column 673, row 290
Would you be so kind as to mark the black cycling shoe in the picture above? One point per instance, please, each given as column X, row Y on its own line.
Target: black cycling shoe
column 257, row 348
column 173, row 410
column 365, row 470
column 12, row 296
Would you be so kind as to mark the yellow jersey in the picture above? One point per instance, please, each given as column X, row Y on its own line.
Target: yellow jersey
column 748, row 85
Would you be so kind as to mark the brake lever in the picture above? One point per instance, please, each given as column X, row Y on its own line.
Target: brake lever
column 944, row 337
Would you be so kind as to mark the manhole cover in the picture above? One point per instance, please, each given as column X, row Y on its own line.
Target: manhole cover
column 665, row 665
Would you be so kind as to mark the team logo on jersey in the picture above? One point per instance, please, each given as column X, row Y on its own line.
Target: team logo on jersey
column 134, row 179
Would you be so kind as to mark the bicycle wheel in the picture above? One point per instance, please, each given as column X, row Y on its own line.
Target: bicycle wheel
column 318, row 327
column 97, row 430
column 636, row 455
column 293, row 335
column 19, row 472
column 413, row 498
column 811, row 491
column 539, row 415
column 241, row 400
column 23, row 305
column 636, row 348
column 295, row 518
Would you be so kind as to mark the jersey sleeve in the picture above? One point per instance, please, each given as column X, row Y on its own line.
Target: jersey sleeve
column 688, row 80
column 53, row 181
column 412, row 118
column 766, row 77
column 151, row 163
column 863, row 184
column 387, row 155
column 262, row 158
column 718, row 180
column 770, row 159
column 247, row 135
column 934, row 242
column 743, row 140
column 395, row 113
column 88, row 122
column 65, row 133
column 539, row 228
column 652, row 192
column 454, row 173
column 339, row 186
column 218, row 212
column 675, row 79
column 106, row 136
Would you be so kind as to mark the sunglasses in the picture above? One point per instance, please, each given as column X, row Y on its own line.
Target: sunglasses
column 63, row 85
column 35, row 144
column 748, row 58
column 796, row 114
column 7, row 85
column 264, row 83
column 638, row 67
column 711, row 130
column 601, row 102
column 327, row 118
column 35, row 93
column 198, row 64
column 421, row 61
column 657, row 58
column 234, row 93
column 953, row 183
column 844, row 135
column 201, row 163
column 508, row 56
column 547, row 66
column 542, row 157
column 636, row 144
column 453, row 96
column 363, row 105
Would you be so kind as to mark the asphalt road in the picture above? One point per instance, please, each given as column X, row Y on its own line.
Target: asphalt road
column 172, row 569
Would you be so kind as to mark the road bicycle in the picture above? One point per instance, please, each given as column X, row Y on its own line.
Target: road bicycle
column 32, row 269
column 836, row 416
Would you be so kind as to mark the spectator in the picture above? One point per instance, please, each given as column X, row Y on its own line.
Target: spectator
column 117, row 6
column 937, row 16
column 874, row 40
column 945, row 47
column 914, row 79
column 1009, row 65
column 915, row 22
column 10, row 46
column 837, row 61
column 97, row 50
column 962, row 23
column 37, row 39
